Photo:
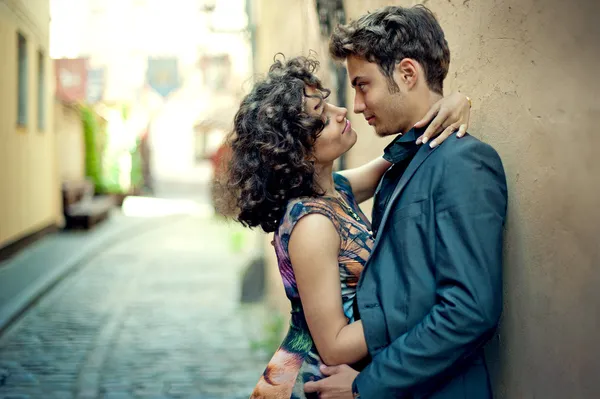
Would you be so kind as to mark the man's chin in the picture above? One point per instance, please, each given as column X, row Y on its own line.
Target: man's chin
column 382, row 133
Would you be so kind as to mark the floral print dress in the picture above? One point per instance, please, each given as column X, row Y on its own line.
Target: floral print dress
column 297, row 360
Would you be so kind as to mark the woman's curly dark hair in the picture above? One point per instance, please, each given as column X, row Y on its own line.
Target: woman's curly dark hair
column 271, row 146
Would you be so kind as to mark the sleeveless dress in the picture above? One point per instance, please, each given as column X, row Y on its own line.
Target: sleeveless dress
column 297, row 360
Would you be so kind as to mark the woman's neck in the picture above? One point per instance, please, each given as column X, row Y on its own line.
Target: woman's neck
column 324, row 179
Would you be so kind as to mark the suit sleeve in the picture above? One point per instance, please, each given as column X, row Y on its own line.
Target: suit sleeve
column 470, row 208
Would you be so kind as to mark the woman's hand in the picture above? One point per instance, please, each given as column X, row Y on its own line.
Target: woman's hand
column 451, row 113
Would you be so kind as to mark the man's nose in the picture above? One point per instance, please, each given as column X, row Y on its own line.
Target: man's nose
column 359, row 105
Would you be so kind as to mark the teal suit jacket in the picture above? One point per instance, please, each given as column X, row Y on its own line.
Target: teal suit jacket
column 430, row 296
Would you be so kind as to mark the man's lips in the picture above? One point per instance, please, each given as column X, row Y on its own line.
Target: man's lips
column 370, row 119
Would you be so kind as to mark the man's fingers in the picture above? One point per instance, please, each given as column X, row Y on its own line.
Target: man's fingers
column 312, row 386
column 442, row 137
column 462, row 130
column 429, row 115
column 317, row 386
column 330, row 370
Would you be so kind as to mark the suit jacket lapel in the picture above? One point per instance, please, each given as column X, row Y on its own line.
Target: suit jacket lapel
column 419, row 158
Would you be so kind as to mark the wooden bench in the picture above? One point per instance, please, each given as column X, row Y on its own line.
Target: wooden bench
column 81, row 208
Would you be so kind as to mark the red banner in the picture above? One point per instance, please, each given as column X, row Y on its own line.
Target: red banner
column 71, row 79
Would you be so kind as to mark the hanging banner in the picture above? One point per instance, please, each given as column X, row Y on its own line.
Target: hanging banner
column 71, row 79
column 163, row 75
column 95, row 85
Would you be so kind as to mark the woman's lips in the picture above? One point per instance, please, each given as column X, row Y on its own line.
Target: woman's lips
column 347, row 127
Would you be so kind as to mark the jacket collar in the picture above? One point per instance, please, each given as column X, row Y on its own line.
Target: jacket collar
column 403, row 146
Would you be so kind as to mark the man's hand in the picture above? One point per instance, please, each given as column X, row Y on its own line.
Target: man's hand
column 338, row 384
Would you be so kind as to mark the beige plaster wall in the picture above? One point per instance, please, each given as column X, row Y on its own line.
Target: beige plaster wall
column 291, row 28
column 29, row 191
column 70, row 145
column 531, row 68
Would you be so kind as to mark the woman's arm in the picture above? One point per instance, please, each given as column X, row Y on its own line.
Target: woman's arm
column 364, row 179
column 314, row 248
column 449, row 114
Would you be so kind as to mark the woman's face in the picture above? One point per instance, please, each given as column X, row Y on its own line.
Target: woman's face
column 337, row 137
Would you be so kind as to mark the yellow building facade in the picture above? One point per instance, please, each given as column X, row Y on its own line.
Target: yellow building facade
column 29, row 182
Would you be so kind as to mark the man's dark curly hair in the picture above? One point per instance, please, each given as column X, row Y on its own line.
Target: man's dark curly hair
column 390, row 34
column 271, row 146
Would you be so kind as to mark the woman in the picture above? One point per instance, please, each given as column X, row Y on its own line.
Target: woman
column 280, row 177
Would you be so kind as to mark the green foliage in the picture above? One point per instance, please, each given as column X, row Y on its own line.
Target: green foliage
column 105, row 175
column 273, row 332
column 91, row 133
column 125, row 112
column 137, row 176
column 111, row 178
column 237, row 240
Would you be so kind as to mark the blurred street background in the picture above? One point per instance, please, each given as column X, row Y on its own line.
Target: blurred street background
column 117, row 278
column 152, row 314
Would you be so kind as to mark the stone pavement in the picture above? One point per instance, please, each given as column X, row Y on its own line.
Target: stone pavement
column 35, row 270
column 155, row 316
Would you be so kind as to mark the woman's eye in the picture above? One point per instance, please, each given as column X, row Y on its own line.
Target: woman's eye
column 327, row 121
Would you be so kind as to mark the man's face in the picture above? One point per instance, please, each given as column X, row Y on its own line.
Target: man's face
column 384, row 110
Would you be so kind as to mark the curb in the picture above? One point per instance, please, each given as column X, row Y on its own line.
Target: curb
column 17, row 307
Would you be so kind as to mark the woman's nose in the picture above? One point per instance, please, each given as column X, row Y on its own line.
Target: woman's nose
column 341, row 114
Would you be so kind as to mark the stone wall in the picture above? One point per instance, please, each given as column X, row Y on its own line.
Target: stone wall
column 529, row 67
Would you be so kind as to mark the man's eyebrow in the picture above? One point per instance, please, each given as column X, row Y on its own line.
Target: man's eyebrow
column 355, row 80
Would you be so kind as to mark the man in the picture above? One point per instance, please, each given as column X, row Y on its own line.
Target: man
column 430, row 296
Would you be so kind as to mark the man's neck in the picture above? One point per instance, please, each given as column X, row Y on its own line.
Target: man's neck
column 424, row 104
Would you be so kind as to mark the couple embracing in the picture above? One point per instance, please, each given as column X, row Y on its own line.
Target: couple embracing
column 402, row 305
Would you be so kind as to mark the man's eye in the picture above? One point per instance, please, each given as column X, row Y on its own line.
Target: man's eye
column 361, row 86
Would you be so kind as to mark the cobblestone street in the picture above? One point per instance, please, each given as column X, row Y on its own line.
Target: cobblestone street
column 156, row 316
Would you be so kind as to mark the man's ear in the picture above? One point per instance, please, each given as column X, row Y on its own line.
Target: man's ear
column 406, row 73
